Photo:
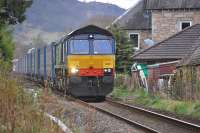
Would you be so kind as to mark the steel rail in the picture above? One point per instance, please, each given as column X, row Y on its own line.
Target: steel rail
column 130, row 122
column 154, row 114
column 192, row 126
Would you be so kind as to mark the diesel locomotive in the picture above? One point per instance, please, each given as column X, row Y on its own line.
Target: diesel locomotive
column 81, row 64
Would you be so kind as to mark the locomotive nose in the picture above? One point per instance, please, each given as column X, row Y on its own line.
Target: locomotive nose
column 90, row 65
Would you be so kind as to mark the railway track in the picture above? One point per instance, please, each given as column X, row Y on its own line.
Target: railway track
column 158, row 122
column 146, row 120
column 142, row 127
column 135, row 124
column 143, row 119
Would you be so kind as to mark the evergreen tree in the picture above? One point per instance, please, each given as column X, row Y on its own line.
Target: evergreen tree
column 11, row 12
column 6, row 44
column 124, row 50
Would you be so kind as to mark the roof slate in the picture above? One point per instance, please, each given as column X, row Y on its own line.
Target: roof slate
column 136, row 18
column 172, row 4
column 193, row 56
column 139, row 16
column 175, row 47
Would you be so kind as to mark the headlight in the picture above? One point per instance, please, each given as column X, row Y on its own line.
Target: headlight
column 107, row 70
column 74, row 70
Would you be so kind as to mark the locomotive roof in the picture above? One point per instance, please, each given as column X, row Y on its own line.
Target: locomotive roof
column 90, row 29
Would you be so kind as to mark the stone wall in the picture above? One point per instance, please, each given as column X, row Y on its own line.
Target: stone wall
column 144, row 34
column 167, row 22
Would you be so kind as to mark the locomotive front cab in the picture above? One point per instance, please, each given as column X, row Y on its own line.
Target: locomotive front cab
column 90, row 64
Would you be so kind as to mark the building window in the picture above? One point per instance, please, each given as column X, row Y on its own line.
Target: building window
column 135, row 38
column 185, row 24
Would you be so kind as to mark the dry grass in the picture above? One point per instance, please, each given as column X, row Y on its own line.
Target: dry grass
column 18, row 111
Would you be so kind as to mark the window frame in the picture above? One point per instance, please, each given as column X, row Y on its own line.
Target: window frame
column 111, row 43
column 181, row 23
column 69, row 47
column 135, row 33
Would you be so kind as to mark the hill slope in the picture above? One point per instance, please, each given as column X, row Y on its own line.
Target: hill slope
column 59, row 15
column 51, row 18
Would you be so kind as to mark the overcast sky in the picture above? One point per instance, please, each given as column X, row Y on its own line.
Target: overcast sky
column 122, row 3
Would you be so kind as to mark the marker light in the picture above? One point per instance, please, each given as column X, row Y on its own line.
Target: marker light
column 108, row 70
column 74, row 70
column 91, row 36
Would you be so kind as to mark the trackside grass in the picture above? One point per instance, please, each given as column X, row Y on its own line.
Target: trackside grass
column 141, row 97
column 20, row 112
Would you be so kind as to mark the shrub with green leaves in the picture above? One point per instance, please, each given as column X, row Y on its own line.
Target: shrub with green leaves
column 124, row 50
column 7, row 45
